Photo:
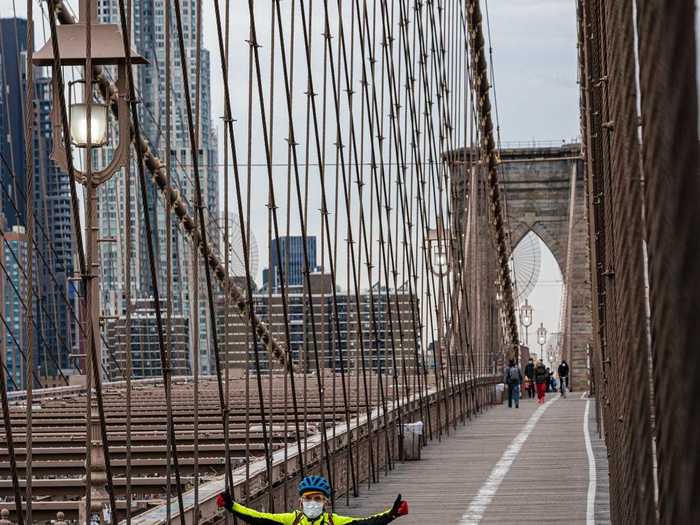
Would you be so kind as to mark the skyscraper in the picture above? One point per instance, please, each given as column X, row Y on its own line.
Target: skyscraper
column 149, row 40
column 291, row 250
column 13, row 48
column 54, row 296
column 13, row 332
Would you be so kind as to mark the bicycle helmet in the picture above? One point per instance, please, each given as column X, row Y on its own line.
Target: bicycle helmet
column 315, row 484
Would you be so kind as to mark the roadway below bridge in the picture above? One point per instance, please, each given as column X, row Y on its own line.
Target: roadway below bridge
column 536, row 464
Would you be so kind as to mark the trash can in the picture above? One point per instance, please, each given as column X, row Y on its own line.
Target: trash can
column 501, row 392
column 412, row 440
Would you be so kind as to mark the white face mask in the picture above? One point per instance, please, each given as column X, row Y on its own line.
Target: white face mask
column 312, row 509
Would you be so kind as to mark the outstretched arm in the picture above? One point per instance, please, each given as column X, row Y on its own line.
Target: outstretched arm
column 399, row 508
column 252, row 516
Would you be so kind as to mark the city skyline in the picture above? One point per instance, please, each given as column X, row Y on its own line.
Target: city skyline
column 149, row 41
column 54, row 296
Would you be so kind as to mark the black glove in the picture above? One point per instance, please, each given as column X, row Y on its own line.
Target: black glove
column 399, row 508
column 225, row 500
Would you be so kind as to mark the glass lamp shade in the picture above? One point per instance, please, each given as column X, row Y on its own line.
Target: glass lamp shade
column 79, row 126
column 527, row 321
column 542, row 340
column 440, row 259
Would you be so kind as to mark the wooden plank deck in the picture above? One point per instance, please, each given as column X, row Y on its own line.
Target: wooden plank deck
column 544, row 480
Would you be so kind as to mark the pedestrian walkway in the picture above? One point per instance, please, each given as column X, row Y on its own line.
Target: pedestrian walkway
column 528, row 465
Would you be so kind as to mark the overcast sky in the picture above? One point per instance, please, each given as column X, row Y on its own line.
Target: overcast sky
column 534, row 59
column 535, row 67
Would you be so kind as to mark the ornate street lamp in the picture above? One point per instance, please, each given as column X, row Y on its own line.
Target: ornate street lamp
column 88, row 127
column 526, row 318
column 107, row 49
column 437, row 244
column 439, row 249
column 542, row 338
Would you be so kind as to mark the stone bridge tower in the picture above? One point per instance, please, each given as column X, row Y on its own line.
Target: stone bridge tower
column 545, row 192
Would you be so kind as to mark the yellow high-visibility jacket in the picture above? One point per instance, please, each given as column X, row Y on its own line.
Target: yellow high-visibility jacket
column 254, row 517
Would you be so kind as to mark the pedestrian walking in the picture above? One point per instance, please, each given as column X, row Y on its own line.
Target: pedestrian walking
column 563, row 372
column 540, row 380
column 512, row 377
column 530, row 378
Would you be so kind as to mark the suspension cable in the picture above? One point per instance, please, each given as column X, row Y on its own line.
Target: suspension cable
column 29, row 166
column 167, row 12
column 58, row 87
column 488, row 153
column 165, row 364
column 127, row 298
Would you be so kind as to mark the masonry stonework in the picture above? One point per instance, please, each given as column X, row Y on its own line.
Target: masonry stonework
column 544, row 188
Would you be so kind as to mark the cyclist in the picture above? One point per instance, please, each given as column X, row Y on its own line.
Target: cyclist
column 314, row 494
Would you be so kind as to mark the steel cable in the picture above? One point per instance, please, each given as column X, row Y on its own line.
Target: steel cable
column 165, row 364
column 324, row 214
column 251, row 310
column 58, row 87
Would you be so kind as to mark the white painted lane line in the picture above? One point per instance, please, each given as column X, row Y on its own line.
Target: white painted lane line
column 590, row 499
column 488, row 490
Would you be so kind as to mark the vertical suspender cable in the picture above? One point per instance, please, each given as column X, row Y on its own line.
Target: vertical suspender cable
column 90, row 280
column 255, row 329
column 288, row 216
column 127, row 298
column 202, row 225
column 128, row 309
column 29, row 166
column 245, row 240
column 165, row 365
column 302, row 215
column 227, row 258
column 195, row 269
column 271, row 136
column 58, row 86
column 252, row 306
column 7, row 423
column 340, row 148
column 325, row 223
column 167, row 8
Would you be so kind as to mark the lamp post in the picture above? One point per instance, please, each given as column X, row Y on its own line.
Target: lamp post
column 542, row 338
column 438, row 250
column 85, row 45
column 526, row 318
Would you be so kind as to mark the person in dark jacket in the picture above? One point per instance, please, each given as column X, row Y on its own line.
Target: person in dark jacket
column 512, row 377
column 530, row 375
column 563, row 372
column 540, row 380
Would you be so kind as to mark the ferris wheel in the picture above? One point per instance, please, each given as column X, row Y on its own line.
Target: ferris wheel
column 526, row 262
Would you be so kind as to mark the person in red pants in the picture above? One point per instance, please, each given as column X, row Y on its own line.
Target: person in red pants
column 540, row 380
